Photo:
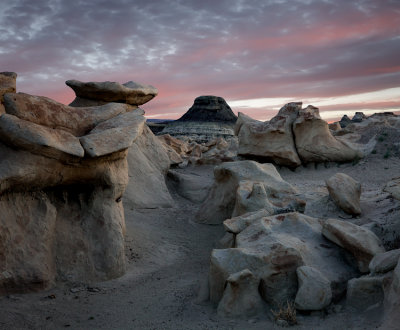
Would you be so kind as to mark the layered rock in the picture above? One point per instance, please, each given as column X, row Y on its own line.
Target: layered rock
column 63, row 172
column 271, row 140
column 279, row 195
column 209, row 117
column 99, row 93
column 345, row 192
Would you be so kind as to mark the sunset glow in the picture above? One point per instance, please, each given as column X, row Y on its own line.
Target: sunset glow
column 341, row 56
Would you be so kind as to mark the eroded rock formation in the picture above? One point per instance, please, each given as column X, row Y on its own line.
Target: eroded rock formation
column 63, row 172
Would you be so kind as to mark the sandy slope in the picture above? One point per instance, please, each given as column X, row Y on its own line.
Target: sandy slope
column 168, row 257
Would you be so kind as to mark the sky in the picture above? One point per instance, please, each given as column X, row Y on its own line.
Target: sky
column 339, row 55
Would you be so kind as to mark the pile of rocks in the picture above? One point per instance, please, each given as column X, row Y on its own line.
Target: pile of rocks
column 184, row 151
column 292, row 137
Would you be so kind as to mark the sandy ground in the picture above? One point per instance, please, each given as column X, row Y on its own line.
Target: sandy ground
column 168, row 259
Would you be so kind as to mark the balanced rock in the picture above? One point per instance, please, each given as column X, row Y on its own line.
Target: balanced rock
column 345, row 192
column 362, row 243
column 209, row 117
column 98, row 93
column 314, row 289
column 221, row 200
column 241, row 297
column 271, row 140
column 314, row 141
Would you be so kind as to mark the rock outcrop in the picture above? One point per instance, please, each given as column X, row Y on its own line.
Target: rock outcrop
column 345, row 192
column 209, row 117
column 241, row 178
column 393, row 188
column 292, row 137
column 314, row 141
column 63, row 172
column 271, row 140
column 99, row 93
column 274, row 248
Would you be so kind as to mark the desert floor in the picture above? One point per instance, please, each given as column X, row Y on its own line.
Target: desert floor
column 168, row 258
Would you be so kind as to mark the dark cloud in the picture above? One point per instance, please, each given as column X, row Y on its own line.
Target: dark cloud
column 238, row 49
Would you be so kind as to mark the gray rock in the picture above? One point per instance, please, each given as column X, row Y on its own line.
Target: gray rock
column 314, row 289
column 345, row 192
column 220, row 202
column 362, row 243
column 364, row 292
column 384, row 262
column 391, row 319
column 344, row 121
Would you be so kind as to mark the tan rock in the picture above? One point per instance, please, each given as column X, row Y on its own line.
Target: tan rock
column 335, row 126
column 271, row 140
column 345, row 192
column 241, row 298
column 314, row 141
column 221, row 200
column 47, row 112
column 38, row 139
column 113, row 135
column 148, row 166
column 362, row 243
column 131, row 92
column 239, row 223
column 7, row 83
column 180, row 147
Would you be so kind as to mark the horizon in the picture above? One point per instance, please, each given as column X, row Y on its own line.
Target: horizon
column 339, row 56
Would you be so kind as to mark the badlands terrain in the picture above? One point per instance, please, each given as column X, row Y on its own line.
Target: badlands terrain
column 104, row 225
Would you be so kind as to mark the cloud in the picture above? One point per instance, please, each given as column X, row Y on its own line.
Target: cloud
column 237, row 49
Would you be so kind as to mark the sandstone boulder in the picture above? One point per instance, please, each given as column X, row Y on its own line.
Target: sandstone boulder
column 271, row 140
column 314, row 289
column 345, row 192
column 115, row 134
column 314, row 141
column 220, row 202
column 362, row 243
column 384, row 262
column 241, row 297
column 97, row 93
